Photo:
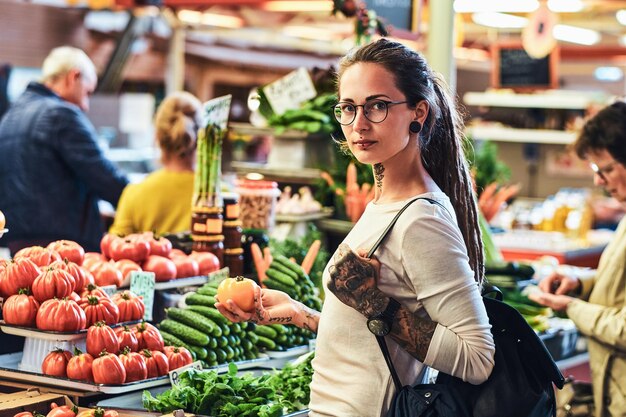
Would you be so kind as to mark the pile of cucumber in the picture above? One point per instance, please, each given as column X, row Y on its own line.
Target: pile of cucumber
column 211, row 337
column 280, row 337
column 289, row 277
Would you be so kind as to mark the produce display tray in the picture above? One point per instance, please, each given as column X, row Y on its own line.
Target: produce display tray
column 288, row 353
column 181, row 282
column 50, row 334
column 9, row 370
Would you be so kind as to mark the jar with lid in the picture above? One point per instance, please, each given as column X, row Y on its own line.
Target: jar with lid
column 213, row 244
column 257, row 203
column 232, row 234
column 206, row 221
column 233, row 259
column 231, row 206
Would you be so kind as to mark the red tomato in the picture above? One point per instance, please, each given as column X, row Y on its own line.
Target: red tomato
column 19, row 273
column 21, row 309
column 164, row 269
column 131, row 306
column 156, row 362
column 176, row 253
column 92, row 258
column 93, row 290
column 108, row 274
column 133, row 248
column 51, row 283
column 39, row 255
column 178, row 356
column 62, row 411
column 240, row 290
column 79, row 274
column 126, row 266
column 79, row 366
column 149, row 337
column 135, row 365
column 100, row 309
column 206, row 261
column 108, row 369
column 24, row 414
column 158, row 244
column 55, row 362
column 101, row 337
column 186, row 266
column 105, row 244
column 61, row 315
column 68, row 249
column 98, row 412
column 127, row 338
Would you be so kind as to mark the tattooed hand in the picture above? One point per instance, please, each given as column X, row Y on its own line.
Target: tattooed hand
column 353, row 280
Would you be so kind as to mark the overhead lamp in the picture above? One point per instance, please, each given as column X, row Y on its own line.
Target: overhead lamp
column 566, row 6
column 298, row 6
column 621, row 16
column 499, row 20
column 474, row 6
column 210, row 19
column 576, row 34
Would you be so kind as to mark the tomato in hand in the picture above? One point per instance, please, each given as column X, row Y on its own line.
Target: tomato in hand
column 108, row 369
column 68, row 249
column 240, row 290
column 21, row 309
column 101, row 337
column 79, row 366
column 55, row 362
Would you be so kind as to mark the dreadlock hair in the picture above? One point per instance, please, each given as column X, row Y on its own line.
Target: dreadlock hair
column 441, row 138
column 605, row 130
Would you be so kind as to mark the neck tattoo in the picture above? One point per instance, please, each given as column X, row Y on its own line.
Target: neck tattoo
column 378, row 175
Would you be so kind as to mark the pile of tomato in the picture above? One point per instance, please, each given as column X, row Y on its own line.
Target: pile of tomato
column 117, row 355
column 70, row 411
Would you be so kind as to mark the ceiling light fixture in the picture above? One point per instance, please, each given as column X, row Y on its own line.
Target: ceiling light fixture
column 517, row 6
column 499, row 20
column 566, row 6
column 621, row 16
column 298, row 6
column 575, row 34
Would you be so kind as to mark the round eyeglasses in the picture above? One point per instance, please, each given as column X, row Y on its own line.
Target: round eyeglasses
column 374, row 110
column 602, row 172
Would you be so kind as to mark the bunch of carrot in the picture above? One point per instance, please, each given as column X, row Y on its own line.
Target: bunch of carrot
column 356, row 197
column 263, row 258
column 494, row 197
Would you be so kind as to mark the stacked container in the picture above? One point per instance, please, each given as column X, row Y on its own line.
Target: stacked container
column 233, row 252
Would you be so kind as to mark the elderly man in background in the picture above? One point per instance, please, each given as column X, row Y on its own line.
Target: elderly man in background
column 52, row 171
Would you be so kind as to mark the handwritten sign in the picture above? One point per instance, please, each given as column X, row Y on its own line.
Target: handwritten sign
column 142, row 284
column 175, row 374
column 290, row 91
column 216, row 111
column 219, row 275
column 109, row 289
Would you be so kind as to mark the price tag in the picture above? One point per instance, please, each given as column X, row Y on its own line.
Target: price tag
column 175, row 374
column 142, row 284
column 109, row 289
column 290, row 91
column 216, row 111
column 219, row 275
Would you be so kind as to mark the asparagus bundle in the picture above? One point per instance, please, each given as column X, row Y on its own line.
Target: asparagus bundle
column 209, row 166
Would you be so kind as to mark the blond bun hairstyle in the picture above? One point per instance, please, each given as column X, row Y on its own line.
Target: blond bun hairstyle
column 177, row 121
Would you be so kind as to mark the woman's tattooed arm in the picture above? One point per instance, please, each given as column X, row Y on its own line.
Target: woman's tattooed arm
column 307, row 318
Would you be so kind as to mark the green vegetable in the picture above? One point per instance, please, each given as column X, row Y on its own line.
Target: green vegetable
column 199, row 299
column 266, row 343
column 170, row 339
column 185, row 333
column 281, row 277
column 207, row 290
column 210, row 313
column 193, row 319
column 265, row 331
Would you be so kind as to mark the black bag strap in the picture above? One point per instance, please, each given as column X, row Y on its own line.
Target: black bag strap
column 380, row 339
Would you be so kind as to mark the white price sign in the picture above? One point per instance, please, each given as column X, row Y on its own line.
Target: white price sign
column 290, row 91
column 175, row 374
column 142, row 284
column 216, row 111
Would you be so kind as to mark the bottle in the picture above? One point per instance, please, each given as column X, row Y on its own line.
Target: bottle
column 233, row 259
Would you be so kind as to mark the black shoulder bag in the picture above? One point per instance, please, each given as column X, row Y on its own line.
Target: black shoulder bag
column 520, row 384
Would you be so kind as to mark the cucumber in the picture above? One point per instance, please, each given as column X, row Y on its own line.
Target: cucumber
column 266, row 331
column 221, row 355
column 200, row 300
column 201, row 353
column 291, row 265
column 185, row 333
column 213, row 342
column 211, row 356
column 205, row 290
column 234, row 340
column 193, row 319
column 222, row 341
column 210, row 313
column 266, row 343
column 281, row 277
column 277, row 266
column 230, row 352
column 171, row 340
column 280, row 328
column 225, row 329
column 275, row 285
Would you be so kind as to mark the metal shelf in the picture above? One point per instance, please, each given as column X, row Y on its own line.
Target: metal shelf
column 508, row 134
column 568, row 100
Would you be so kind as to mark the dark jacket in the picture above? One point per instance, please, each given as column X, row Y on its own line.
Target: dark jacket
column 52, row 172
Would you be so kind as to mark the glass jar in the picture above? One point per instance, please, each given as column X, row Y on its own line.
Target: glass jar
column 213, row 244
column 232, row 234
column 257, row 203
column 233, row 259
column 206, row 221
column 231, row 206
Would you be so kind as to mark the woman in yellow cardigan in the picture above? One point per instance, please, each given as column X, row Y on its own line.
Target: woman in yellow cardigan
column 162, row 201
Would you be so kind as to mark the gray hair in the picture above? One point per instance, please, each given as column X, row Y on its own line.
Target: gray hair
column 63, row 59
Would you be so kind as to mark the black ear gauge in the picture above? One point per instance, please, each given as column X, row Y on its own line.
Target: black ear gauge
column 415, row 126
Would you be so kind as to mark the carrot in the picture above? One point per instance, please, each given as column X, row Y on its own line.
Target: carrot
column 310, row 256
column 259, row 264
column 267, row 256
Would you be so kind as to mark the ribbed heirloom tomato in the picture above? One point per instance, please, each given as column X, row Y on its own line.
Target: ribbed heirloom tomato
column 100, row 309
column 39, row 255
column 61, row 315
column 55, row 362
column 149, row 336
column 52, row 282
column 135, row 365
column 20, row 309
column 127, row 338
column 79, row 366
column 240, row 290
column 18, row 273
column 178, row 356
column 108, row 369
column 156, row 362
column 62, row 411
column 79, row 274
column 131, row 307
column 68, row 249
column 101, row 337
